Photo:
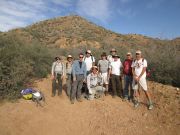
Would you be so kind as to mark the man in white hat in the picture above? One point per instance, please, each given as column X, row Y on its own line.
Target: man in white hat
column 139, row 66
column 89, row 60
column 69, row 78
column 95, row 83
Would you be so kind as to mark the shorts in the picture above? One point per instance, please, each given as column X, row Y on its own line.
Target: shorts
column 142, row 83
column 105, row 78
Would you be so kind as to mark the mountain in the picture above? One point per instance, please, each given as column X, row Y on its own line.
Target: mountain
column 74, row 34
column 75, row 31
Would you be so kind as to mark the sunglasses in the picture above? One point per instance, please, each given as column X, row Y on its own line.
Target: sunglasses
column 137, row 53
column 128, row 55
column 80, row 57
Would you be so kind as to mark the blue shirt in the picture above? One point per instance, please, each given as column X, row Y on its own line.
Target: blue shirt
column 76, row 70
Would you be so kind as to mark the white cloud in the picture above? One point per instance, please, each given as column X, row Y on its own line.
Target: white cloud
column 64, row 3
column 98, row 9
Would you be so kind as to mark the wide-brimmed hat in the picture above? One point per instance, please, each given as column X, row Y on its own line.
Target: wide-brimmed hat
column 57, row 57
column 115, row 56
column 88, row 51
column 138, row 52
column 69, row 56
column 113, row 50
column 128, row 53
column 94, row 67
column 103, row 54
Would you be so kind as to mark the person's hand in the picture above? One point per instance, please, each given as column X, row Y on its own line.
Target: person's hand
column 52, row 77
column 84, row 81
column 62, row 77
column 74, row 79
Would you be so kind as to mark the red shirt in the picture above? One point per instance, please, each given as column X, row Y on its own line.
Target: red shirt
column 127, row 70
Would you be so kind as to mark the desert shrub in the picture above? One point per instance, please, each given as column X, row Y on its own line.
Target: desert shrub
column 20, row 62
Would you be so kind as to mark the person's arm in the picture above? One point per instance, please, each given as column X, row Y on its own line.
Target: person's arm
column 89, row 84
column 73, row 71
column 93, row 64
column 64, row 70
column 98, row 65
column 52, row 70
column 85, row 71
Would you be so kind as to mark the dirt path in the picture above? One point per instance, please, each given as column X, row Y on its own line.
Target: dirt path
column 98, row 117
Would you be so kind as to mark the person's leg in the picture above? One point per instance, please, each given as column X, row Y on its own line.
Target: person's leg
column 113, row 79
column 74, row 90
column 131, row 89
column 118, row 86
column 126, row 84
column 59, row 85
column 53, row 87
column 80, row 84
column 68, row 84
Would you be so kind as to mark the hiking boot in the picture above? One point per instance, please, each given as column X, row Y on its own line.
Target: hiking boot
column 72, row 101
column 150, row 107
column 52, row 95
column 106, row 93
column 136, row 104
column 59, row 94
column 125, row 99
column 79, row 100
column 114, row 96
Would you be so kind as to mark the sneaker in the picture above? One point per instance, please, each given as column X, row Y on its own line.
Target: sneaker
column 72, row 101
column 79, row 99
column 136, row 104
column 150, row 107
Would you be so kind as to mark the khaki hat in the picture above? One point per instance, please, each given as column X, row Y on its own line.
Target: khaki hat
column 103, row 54
column 128, row 53
column 88, row 51
column 113, row 50
column 94, row 67
column 138, row 51
column 57, row 57
column 69, row 56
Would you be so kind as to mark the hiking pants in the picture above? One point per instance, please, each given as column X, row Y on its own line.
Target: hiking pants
column 128, row 83
column 57, row 77
column 116, row 85
column 77, row 86
column 69, row 84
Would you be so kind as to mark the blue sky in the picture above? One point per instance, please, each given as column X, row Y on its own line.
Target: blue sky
column 155, row 18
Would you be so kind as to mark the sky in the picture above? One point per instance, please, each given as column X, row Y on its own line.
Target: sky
column 154, row 18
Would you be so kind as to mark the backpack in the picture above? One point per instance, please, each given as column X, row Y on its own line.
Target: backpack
column 27, row 93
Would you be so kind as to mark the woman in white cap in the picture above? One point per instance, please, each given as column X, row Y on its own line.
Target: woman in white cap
column 139, row 66
column 69, row 78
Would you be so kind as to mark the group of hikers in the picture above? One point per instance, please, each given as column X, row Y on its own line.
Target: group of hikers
column 91, row 79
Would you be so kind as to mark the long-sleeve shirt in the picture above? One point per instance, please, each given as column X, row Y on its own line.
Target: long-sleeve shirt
column 58, row 68
column 93, row 80
column 77, row 70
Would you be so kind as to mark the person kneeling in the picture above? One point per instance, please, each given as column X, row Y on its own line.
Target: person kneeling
column 95, row 84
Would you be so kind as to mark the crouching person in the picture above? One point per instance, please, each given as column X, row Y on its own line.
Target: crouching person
column 95, row 84
column 57, row 73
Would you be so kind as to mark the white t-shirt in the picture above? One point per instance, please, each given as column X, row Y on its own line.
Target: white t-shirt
column 139, row 65
column 115, row 66
column 89, row 62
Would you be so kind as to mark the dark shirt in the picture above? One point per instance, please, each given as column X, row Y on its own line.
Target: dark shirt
column 127, row 70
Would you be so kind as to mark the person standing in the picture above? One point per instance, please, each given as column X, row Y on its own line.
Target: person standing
column 103, row 67
column 57, row 74
column 128, row 77
column 89, row 60
column 79, row 76
column 139, row 66
column 69, row 75
column 115, row 73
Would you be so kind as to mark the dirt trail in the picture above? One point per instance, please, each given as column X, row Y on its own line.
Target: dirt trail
column 98, row 117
